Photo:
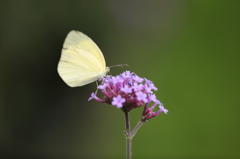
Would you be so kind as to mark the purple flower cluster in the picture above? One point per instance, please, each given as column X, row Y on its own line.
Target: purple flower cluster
column 128, row 91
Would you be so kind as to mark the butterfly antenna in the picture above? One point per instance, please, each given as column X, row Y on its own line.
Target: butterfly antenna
column 120, row 65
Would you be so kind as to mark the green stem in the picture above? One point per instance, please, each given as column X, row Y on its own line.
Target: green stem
column 128, row 135
column 140, row 123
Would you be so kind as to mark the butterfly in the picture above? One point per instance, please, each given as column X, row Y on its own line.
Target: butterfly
column 81, row 61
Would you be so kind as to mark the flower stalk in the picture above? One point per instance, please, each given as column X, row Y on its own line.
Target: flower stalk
column 140, row 123
column 128, row 136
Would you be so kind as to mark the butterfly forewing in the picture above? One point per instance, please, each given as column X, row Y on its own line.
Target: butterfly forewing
column 78, row 40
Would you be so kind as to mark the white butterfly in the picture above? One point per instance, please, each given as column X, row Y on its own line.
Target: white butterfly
column 81, row 62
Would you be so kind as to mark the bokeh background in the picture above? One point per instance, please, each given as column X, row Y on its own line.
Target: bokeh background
column 188, row 48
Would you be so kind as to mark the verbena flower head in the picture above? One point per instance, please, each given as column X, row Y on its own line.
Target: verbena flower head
column 128, row 91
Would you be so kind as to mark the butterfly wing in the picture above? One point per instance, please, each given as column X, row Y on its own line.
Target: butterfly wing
column 81, row 62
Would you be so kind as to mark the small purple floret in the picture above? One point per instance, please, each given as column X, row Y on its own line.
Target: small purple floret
column 93, row 95
column 126, row 89
column 141, row 97
column 162, row 109
column 118, row 101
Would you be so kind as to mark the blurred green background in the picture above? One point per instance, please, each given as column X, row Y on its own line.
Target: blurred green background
column 188, row 48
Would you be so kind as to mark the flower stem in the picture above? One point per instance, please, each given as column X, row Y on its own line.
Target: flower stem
column 128, row 135
column 140, row 123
